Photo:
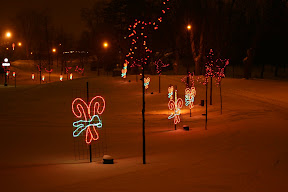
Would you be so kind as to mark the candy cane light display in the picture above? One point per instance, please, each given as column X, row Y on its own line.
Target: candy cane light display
column 89, row 117
column 146, row 82
column 170, row 92
column 175, row 107
column 124, row 70
column 190, row 94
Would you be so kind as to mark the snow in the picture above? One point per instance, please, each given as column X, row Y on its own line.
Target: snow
column 245, row 149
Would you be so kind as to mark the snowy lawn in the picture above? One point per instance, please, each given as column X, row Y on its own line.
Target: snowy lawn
column 245, row 149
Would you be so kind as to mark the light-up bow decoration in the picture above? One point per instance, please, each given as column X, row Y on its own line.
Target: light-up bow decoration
column 175, row 106
column 89, row 115
column 146, row 82
column 170, row 92
column 190, row 94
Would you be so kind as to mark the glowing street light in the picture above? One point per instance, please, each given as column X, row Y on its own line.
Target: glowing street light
column 105, row 44
column 19, row 44
column 54, row 50
column 8, row 34
column 189, row 27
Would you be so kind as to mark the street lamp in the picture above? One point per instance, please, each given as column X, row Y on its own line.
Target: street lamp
column 54, row 50
column 8, row 34
column 189, row 27
column 19, row 44
column 105, row 45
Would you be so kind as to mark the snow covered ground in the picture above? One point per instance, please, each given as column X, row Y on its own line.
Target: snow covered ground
column 245, row 149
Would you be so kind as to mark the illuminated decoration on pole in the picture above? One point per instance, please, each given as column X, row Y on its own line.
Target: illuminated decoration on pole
column 79, row 70
column 49, row 71
column 159, row 65
column 13, row 46
column 43, row 78
column 175, row 106
column 190, row 81
column 146, row 82
column 61, row 77
column 124, row 70
column 170, row 92
column 33, row 76
column 67, row 69
column 89, row 115
column 71, row 76
column 221, row 64
column 190, row 94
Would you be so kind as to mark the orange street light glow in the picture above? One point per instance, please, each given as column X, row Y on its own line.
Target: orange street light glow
column 19, row 44
column 54, row 50
column 8, row 34
column 105, row 44
column 189, row 27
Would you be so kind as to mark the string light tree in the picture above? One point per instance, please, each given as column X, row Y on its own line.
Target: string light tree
column 159, row 65
column 140, row 51
column 221, row 64
column 213, row 68
column 209, row 65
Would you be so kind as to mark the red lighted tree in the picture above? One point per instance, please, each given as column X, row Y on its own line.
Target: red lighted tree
column 140, row 51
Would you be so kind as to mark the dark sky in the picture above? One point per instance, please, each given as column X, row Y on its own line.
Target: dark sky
column 63, row 12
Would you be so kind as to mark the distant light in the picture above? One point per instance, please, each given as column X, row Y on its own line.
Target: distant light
column 31, row 53
column 8, row 34
column 189, row 27
column 5, row 64
column 7, row 48
column 19, row 44
column 105, row 44
column 6, row 60
column 54, row 50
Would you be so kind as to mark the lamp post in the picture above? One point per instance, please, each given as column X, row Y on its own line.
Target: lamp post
column 189, row 27
column 105, row 46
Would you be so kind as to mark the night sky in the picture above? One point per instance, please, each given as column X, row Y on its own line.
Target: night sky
column 64, row 12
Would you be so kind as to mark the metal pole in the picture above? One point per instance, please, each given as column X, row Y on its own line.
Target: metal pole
column 15, row 80
column 206, row 105
column 159, row 83
column 143, row 113
column 220, row 95
column 211, row 90
column 90, row 147
column 5, row 83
